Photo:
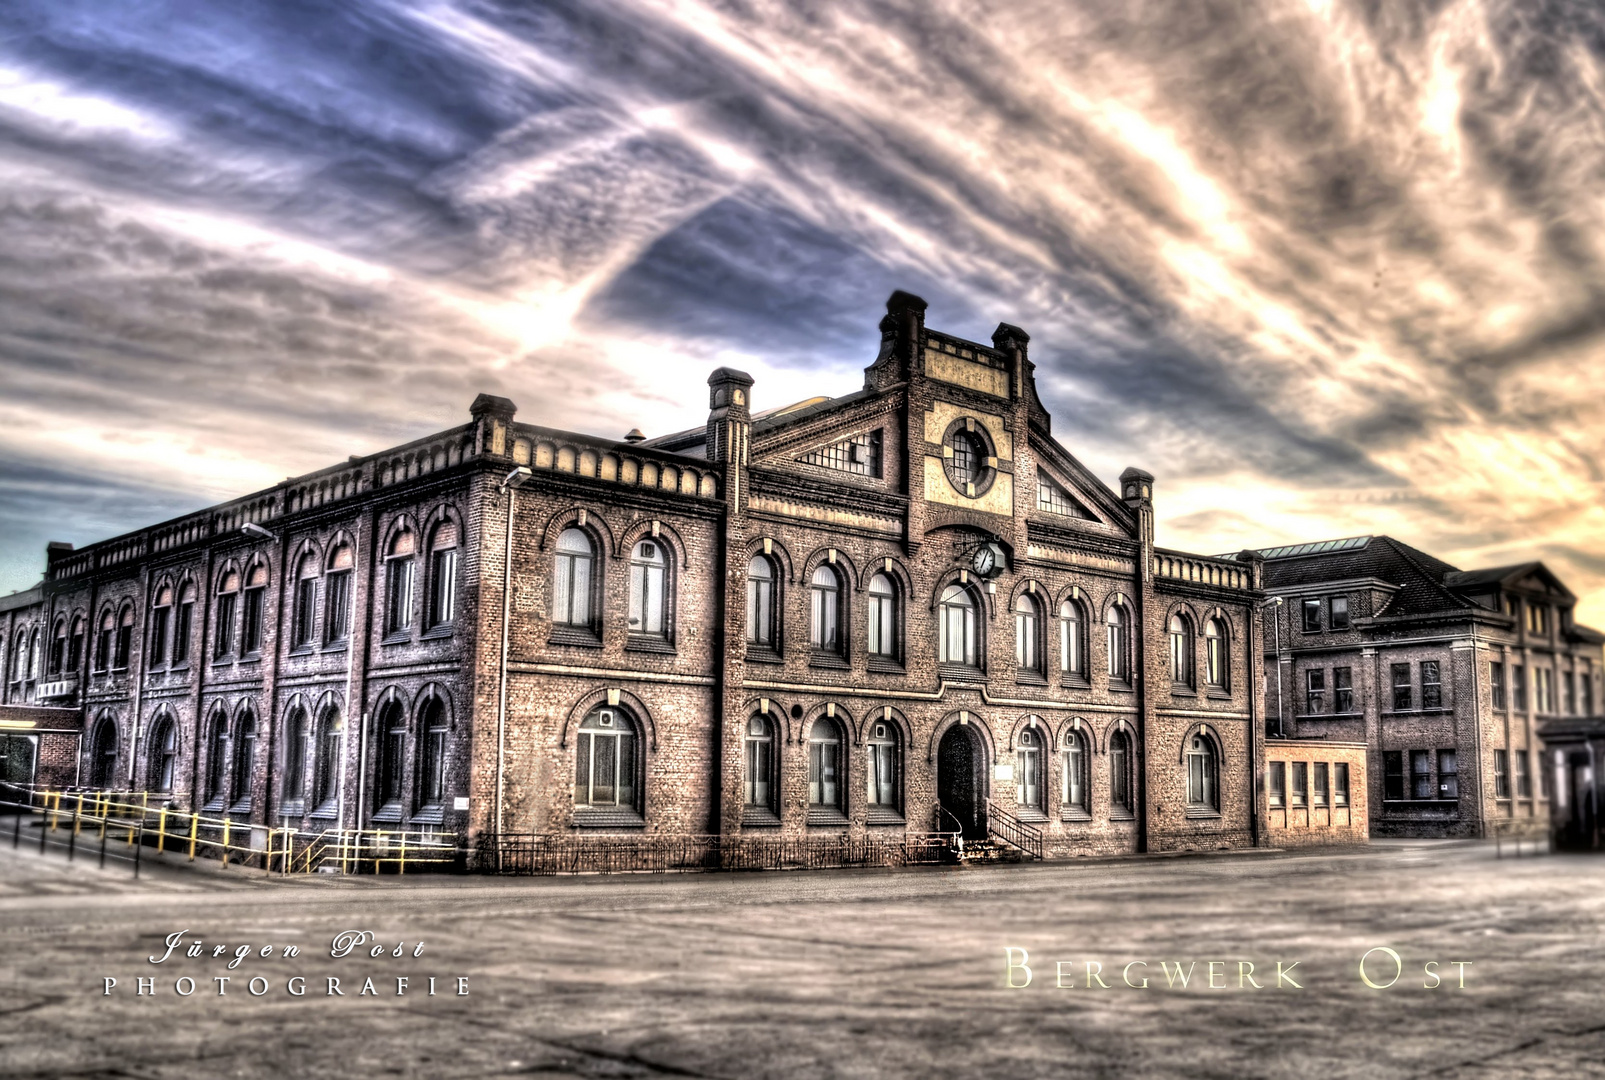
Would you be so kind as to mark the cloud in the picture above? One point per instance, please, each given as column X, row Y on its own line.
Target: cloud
column 1325, row 268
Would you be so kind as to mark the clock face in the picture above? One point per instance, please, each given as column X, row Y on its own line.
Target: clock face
column 985, row 560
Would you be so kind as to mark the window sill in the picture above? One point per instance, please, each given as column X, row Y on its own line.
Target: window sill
column 577, row 636
column 429, row 815
column 1075, row 682
column 960, row 672
column 306, row 649
column 252, row 658
column 1122, row 814
column 1121, row 686
column 648, row 644
column 1074, row 813
column 1328, row 716
column 883, row 815
column 1181, row 691
column 438, row 633
column 388, row 814
column 337, row 646
column 763, row 654
column 213, row 806
column 586, row 817
column 1030, row 814
column 759, row 817
column 1202, row 813
column 240, row 809
column 327, row 811
column 292, row 808
column 397, row 637
column 1218, row 693
column 822, row 659
column 826, row 815
column 885, row 665
column 1030, row 678
column 1435, row 711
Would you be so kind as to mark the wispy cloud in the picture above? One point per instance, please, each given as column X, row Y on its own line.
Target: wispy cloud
column 1324, row 267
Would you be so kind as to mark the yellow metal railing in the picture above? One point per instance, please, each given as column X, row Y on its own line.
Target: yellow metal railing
column 142, row 819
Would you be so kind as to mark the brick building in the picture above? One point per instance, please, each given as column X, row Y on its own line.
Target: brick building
column 1444, row 675
column 901, row 610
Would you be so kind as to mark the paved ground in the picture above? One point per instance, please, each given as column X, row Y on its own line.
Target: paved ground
column 866, row 973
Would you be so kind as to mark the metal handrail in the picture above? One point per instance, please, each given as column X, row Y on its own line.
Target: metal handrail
column 1012, row 831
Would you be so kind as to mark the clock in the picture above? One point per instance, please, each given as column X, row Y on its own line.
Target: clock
column 988, row 561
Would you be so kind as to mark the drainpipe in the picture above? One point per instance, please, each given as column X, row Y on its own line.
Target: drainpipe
column 510, row 485
column 1476, row 730
column 351, row 674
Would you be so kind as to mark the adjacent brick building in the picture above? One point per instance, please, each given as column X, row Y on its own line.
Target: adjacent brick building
column 1444, row 675
column 903, row 610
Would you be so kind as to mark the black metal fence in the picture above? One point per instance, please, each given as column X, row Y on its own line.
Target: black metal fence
column 535, row 853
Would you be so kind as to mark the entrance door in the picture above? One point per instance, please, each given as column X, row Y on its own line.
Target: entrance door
column 1578, row 834
column 958, row 787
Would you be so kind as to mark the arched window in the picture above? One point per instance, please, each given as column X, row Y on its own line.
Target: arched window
column 1120, row 759
column 125, row 637
column 104, row 638
column 161, row 616
column 573, row 580
column 824, row 609
column 162, row 754
column 883, row 765
column 392, row 729
column 19, row 655
column 1119, row 658
column 1072, row 640
column 244, row 763
column 883, row 636
column 75, row 644
column 1028, row 770
column 399, row 574
column 956, row 627
column 34, row 657
column 228, row 596
column 337, row 595
column 649, row 580
column 254, row 602
column 183, row 623
column 761, row 602
column 824, row 765
column 217, row 759
column 1181, row 650
column 443, row 574
column 103, row 763
column 1216, row 656
column 432, row 729
column 326, row 778
column 1076, row 788
column 1027, row 634
column 759, row 757
column 296, row 737
column 1202, row 771
column 607, row 762
column 304, row 628
column 58, row 648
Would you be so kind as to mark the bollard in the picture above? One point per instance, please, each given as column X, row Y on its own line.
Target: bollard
column 72, row 838
column 103, row 849
column 194, row 826
column 226, row 823
column 161, row 830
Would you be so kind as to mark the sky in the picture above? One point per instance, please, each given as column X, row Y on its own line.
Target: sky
column 1324, row 268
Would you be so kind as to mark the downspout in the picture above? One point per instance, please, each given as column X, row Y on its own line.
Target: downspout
column 137, row 666
column 501, row 667
column 351, row 673
column 1476, row 731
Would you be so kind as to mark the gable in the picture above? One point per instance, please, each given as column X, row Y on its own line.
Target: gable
column 859, row 454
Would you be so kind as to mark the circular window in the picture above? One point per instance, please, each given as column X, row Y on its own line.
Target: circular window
column 968, row 458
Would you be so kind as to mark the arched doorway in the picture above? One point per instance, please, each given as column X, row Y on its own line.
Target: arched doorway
column 959, row 760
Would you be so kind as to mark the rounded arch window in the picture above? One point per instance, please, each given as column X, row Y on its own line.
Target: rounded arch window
column 103, row 763
column 761, row 601
column 649, row 589
column 443, row 560
column 244, row 762
column 825, row 765
column 58, row 648
column 125, row 636
column 1027, row 633
column 297, row 739
column 574, row 579
column 326, row 774
column 228, row 598
column 1118, row 646
column 432, row 731
column 1181, row 650
column 183, row 622
column 1203, row 772
column 1072, row 640
column 392, row 733
column 884, row 765
column 217, row 757
column 400, row 578
column 758, row 751
column 1076, row 789
column 824, row 609
column 607, row 762
column 1216, row 654
column 1120, row 767
column 882, row 623
column 163, row 751
column 1028, row 769
column 161, row 616
column 303, row 629
column 75, row 644
column 337, row 594
column 956, row 627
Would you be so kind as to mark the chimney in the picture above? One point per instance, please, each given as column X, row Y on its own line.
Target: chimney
column 729, row 414
column 494, row 416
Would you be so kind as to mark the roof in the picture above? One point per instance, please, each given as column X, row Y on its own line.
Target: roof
column 1418, row 576
column 763, row 420
column 1319, row 547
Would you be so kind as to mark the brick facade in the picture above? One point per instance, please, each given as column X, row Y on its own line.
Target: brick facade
column 591, row 668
